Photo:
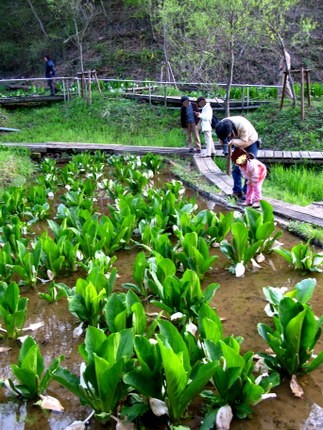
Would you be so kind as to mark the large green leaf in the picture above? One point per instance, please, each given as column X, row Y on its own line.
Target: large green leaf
column 303, row 290
column 176, row 379
column 108, row 380
column 172, row 338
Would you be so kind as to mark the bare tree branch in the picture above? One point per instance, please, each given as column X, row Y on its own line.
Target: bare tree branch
column 37, row 18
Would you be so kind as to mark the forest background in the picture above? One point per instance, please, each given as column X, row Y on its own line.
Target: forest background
column 183, row 40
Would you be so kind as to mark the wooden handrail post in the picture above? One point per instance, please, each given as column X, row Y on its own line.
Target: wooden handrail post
column 302, row 94
column 308, row 87
column 283, row 90
column 89, row 98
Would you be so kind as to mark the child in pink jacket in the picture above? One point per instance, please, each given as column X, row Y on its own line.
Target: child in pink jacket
column 254, row 171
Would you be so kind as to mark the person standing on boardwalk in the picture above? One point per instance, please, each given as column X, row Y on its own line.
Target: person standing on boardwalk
column 189, row 122
column 254, row 171
column 238, row 132
column 285, row 66
column 206, row 118
column 50, row 73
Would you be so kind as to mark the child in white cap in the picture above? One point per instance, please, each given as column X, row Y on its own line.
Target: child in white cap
column 255, row 173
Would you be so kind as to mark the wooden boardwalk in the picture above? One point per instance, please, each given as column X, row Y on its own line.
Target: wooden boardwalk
column 216, row 102
column 21, row 101
column 312, row 214
column 266, row 155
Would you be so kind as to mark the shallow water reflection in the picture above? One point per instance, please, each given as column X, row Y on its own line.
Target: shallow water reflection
column 239, row 301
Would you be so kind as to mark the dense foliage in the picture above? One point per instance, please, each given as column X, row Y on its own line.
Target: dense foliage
column 123, row 38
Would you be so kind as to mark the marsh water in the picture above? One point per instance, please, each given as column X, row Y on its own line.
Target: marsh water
column 239, row 302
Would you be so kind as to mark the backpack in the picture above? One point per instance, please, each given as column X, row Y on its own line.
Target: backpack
column 214, row 122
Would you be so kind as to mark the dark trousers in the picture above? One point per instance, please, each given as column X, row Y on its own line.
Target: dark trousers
column 52, row 86
column 236, row 172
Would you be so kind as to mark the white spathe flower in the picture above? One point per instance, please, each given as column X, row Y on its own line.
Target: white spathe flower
column 260, row 258
column 191, row 328
column 255, row 265
column 268, row 310
column 264, row 397
column 158, row 407
column 78, row 331
column 240, row 270
column 79, row 255
column 50, row 195
column 224, row 418
column 177, row 316
column 277, row 244
column 50, row 403
column 82, row 370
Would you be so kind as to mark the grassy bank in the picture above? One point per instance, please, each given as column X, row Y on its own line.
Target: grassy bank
column 16, row 168
column 121, row 121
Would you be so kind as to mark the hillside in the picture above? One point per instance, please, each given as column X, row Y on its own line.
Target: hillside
column 119, row 41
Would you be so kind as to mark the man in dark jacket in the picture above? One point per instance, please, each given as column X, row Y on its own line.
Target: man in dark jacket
column 189, row 121
column 50, row 73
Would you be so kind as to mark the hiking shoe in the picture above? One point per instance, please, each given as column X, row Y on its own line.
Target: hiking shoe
column 256, row 205
column 239, row 196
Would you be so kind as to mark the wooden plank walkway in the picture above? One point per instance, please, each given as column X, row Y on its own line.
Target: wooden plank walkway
column 216, row 103
column 312, row 214
column 266, row 155
column 10, row 102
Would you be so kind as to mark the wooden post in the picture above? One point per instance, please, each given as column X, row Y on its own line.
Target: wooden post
column 149, row 93
column 78, row 87
column 308, row 87
column 248, row 96
column 283, row 90
column 89, row 99
column 302, row 94
column 97, row 81
column 229, row 161
column 165, row 96
column 84, row 86
column 64, row 89
column 67, row 89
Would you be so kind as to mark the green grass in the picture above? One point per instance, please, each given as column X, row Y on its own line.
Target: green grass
column 301, row 184
column 182, row 168
column 16, row 168
column 284, row 130
column 121, row 121
column 307, row 232
column 111, row 121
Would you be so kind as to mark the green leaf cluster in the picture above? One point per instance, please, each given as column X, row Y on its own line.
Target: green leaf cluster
column 295, row 333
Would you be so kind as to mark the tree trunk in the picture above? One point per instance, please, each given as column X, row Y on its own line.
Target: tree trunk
column 230, row 77
column 37, row 18
column 79, row 44
column 291, row 80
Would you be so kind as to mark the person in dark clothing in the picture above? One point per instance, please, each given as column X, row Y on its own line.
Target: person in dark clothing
column 50, row 73
column 189, row 122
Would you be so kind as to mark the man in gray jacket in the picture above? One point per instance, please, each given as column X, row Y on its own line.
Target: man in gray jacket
column 238, row 132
